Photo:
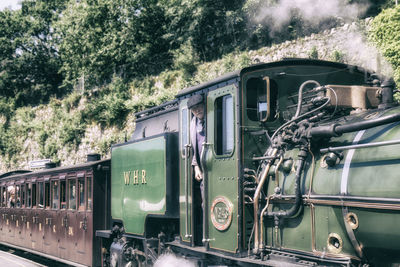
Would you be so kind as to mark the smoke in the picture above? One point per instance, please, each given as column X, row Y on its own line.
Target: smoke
column 277, row 15
column 170, row 260
column 359, row 52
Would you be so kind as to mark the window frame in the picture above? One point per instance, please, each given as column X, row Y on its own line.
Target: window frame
column 89, row 193
column 78, row 189
column 69, row 180
column 217, row 140
column 63, row 195
column 40, row 200
column 58, row 202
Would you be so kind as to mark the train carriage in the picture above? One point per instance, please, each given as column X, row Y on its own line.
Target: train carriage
column 55, row 212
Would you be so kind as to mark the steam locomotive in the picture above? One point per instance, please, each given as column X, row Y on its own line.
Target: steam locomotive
column 299, row 161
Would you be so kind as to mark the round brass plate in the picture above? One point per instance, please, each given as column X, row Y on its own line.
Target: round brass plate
column 221, row 213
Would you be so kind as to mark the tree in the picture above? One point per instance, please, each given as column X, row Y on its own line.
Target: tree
column 28, row 59
column 385, row 33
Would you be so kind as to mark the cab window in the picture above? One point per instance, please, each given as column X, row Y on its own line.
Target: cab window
column 224, row 125
column 261, row 98
column 184, row 131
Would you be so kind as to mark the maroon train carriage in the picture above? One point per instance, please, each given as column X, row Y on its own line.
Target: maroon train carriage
column 56, row 212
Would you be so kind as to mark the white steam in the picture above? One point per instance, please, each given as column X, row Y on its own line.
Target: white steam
column 170, row 260
column 312, row 11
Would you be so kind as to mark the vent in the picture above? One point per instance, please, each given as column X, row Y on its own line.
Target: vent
column 50, row 165
column 93, row 157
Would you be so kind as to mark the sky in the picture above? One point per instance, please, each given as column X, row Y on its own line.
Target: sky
column 13, row 4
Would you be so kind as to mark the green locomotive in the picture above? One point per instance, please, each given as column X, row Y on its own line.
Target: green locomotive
column 299, row 162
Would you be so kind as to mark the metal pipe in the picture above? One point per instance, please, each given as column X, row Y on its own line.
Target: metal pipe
column 187, row 146
column 300, row 99
column 337, row 129
column 341, row 148
column 262, row 221
column 298, row 197
column 263, row 176
column 263, row 158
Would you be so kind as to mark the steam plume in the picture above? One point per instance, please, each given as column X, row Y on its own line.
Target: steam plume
column 312, row 11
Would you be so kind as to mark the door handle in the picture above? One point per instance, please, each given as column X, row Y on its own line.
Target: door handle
column 206, row 157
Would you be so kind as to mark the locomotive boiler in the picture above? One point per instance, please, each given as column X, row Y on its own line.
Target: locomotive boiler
column 300, row 168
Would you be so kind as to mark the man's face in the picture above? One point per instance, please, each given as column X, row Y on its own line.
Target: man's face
column 198, row 111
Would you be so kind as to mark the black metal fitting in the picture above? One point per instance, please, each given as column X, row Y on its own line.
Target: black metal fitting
column 386, row 94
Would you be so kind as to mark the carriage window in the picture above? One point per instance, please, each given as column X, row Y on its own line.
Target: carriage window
column 29, row 195
column 11, row 196
column 41, row 195
column 55, row 195
column 72, row 194
column 81, row 188
column 34, row 194
column 23, row 195
column 1, row 197
column 262, row 94
column 18, row 196
column 224, row 125
column 47, row 194
column 184, row 132
column 63, row 195
column 89, row 193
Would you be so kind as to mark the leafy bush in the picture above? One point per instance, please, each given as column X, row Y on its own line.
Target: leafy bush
column 313, row 54
column 384, row 32
column 337, row 56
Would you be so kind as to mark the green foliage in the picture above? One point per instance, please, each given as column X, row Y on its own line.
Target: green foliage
column 313, row 53
column 108, row 106
column 28, row 58
column 386, row 35
column 337, row 56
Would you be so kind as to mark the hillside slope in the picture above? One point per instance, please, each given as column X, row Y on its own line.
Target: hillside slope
column 66, row 130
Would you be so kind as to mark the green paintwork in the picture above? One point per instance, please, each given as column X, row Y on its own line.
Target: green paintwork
column 373, row 172
column 131, row 202
column 185, row 216
column 222, row 174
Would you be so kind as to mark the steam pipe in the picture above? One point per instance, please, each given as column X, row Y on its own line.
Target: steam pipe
column 256, row 198
column 300, row 99
column 337, row 129
column 298, row 197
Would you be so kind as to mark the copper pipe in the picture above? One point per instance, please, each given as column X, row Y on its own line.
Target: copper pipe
column 277, row 172
column 263, row 176
column 262, row 221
